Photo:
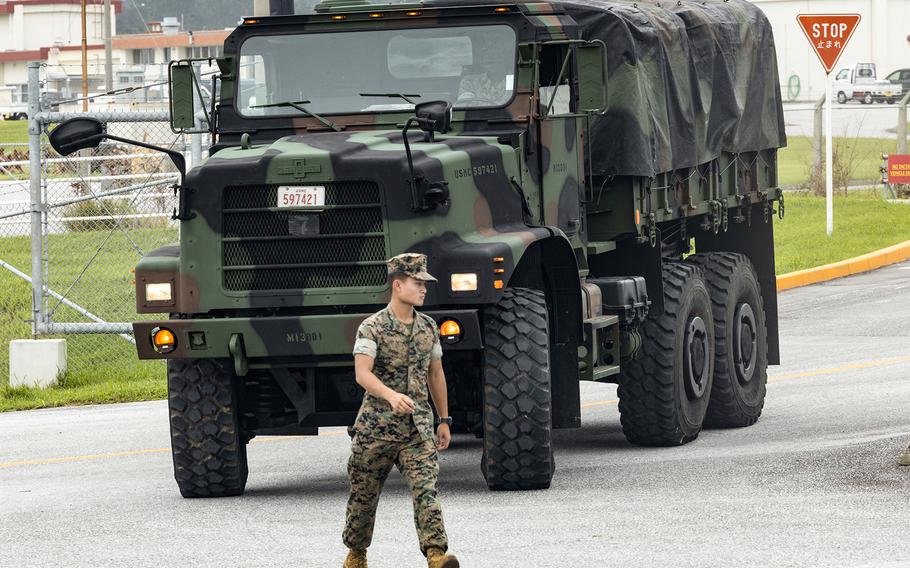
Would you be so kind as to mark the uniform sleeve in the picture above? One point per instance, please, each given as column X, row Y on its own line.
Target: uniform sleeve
column 436, row 353
column 365, row 344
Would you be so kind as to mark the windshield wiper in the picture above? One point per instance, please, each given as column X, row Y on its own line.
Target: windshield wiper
column 297, row 105
column 407, row 98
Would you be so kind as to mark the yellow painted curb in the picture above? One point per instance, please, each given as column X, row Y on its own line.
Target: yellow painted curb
column 877, row 259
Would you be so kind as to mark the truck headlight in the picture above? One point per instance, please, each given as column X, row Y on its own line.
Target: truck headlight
column 158, row 292
column 466, row 282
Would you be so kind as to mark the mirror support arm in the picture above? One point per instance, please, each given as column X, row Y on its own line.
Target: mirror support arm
column 174, row 155
column 425, row 194
column 181, row 213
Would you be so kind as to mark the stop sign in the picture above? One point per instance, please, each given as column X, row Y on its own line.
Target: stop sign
column 828, row 34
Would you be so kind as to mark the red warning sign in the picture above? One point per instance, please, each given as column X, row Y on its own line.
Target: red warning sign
column 898, row 168
column 828, row 34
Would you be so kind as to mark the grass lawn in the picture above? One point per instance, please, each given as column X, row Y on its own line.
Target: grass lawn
column 102, row 368
column 863, row 222
column 861, row 157
column 105, row 368
column 13, row 131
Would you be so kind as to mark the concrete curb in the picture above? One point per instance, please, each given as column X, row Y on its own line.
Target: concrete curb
column 877, row 259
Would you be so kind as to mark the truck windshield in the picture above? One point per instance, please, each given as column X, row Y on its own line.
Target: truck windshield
column 350, row 72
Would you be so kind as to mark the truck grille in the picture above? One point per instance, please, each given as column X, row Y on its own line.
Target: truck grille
column 260, row 250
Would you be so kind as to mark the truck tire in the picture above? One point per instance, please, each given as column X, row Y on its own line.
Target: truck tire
column 664, row 392
column 740, row 340
column 517, row 408
column 206, row 440
column 841, row 98
column 867, row 99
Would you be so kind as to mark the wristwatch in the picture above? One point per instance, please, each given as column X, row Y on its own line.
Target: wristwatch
column 447, row 420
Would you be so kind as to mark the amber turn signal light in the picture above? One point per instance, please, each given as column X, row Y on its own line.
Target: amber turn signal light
column 450, row 331
column 450, row 327
column 163, row 340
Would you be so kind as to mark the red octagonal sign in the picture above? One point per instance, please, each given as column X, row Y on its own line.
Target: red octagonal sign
column 828, row 34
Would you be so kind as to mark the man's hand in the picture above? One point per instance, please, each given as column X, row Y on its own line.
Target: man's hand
column 443, row 437
column 401, row 403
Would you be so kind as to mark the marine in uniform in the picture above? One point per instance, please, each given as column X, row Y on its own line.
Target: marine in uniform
column 397, row 360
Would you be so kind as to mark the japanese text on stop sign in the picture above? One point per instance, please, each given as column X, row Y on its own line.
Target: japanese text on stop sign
column 828, row 35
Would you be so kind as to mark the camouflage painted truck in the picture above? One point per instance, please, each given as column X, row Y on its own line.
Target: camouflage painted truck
column 559, row 163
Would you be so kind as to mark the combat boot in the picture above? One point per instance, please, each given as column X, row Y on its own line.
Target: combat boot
column 436, row 558
column 905, row 457
column 356, row 559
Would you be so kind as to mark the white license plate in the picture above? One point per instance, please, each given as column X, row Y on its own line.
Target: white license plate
column 301, row 196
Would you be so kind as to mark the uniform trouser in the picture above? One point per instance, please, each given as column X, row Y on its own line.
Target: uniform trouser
column 368, row 467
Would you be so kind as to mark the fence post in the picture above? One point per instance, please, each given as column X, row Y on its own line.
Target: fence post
column 37, row 205
column 817, row 138
column 902, row 124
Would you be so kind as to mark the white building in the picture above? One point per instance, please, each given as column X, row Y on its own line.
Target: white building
column 880, row 38
column 50, row 31
column 45, row 30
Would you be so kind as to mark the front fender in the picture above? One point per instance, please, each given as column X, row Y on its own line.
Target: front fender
column 162, row 265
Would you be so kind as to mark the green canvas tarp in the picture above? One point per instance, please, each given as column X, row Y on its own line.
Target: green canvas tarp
column 686, row 81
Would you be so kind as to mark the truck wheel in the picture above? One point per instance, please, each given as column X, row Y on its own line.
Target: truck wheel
column 740, row 340
column 841, row 98
column 206, row 441
column 517, row 423
column 867, row 99
column 664, row 392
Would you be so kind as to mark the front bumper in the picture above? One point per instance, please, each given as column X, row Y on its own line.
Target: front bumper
column 304, row 338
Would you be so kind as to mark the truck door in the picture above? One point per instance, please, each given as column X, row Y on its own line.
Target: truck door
column 561, row 143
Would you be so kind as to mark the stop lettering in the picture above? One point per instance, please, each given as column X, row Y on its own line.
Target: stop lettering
column 825, row 30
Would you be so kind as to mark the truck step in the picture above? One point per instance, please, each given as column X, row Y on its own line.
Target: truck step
column 593, row 364
column 600, row 247
column 605, row 371
column 600, row 322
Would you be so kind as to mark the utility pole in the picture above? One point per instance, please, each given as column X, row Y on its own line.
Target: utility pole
column 273, row 7
column 84, row 63
column 260, row 7
column 108, row 64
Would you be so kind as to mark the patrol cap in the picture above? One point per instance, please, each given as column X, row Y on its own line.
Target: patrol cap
column 411, row 263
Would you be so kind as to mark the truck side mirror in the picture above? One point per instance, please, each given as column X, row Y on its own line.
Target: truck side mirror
column 592, row 77
column 76, row 134
column 180, row 82
column 435, row 116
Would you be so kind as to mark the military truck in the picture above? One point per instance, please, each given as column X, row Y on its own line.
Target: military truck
column 594, row 184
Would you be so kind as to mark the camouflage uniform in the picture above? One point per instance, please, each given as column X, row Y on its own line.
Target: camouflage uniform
column 383, row 438
column 480, row 90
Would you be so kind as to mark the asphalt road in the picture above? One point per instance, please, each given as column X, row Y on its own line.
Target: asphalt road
column 849, row 120
column 814, row 483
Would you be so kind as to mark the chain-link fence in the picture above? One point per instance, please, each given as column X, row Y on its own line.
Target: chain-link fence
column 72, row 228
column 15, row 247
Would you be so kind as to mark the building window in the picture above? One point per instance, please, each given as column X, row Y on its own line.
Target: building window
column 20, row 93
column 204, row 51
column 143, row 57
